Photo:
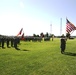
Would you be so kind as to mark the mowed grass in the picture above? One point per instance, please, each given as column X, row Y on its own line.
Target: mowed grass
column 39, row 58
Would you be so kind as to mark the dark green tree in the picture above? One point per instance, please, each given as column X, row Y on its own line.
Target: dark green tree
column 47, row 34
column 42, row 34
column 34, row 35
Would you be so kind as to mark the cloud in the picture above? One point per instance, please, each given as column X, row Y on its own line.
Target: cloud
column 21, row 4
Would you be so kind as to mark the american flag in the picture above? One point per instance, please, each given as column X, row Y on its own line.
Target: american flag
column 69, row 26
column 20, row 32
column 22, row 37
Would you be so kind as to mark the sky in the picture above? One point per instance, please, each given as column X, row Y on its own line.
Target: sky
column 36, row 16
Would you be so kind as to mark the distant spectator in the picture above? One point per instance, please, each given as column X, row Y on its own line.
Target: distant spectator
column 52, row 37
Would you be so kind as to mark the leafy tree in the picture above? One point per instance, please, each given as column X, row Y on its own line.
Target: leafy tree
column 34, row 35
column 37, row 35
column 47, row 34
column 41, row 34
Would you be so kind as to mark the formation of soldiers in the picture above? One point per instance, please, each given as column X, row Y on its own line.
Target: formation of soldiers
column 10, row 42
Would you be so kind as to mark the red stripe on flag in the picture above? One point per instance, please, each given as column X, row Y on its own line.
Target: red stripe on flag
column 20, row 32
column 22, row 37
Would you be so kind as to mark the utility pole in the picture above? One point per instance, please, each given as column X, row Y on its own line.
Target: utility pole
column 60, row 26
column 51, row 28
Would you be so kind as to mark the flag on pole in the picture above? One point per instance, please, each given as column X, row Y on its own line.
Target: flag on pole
column 69, row 26
column 20, row 32
column 22, row 37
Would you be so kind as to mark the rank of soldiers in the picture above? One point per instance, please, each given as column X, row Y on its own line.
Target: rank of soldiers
column 10, row 42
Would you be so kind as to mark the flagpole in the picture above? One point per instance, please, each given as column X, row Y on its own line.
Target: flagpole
column 72, row 31
column 65, row 27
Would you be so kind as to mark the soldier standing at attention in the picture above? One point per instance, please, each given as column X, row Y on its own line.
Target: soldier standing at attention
column 3, row 40
column 12, row 41
column 63, row 43
column 15, row 43
column 7, row 41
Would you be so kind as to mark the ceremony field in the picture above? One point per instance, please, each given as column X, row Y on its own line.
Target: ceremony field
column 39, row 58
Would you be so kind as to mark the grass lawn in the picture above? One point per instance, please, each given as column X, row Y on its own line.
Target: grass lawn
column 39, row 58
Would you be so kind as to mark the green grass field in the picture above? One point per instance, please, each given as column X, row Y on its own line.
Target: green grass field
column 39, row 58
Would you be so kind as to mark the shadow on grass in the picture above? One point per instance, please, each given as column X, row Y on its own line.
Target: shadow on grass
column 21, row 49
column 25, row 50
column 70, row 54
